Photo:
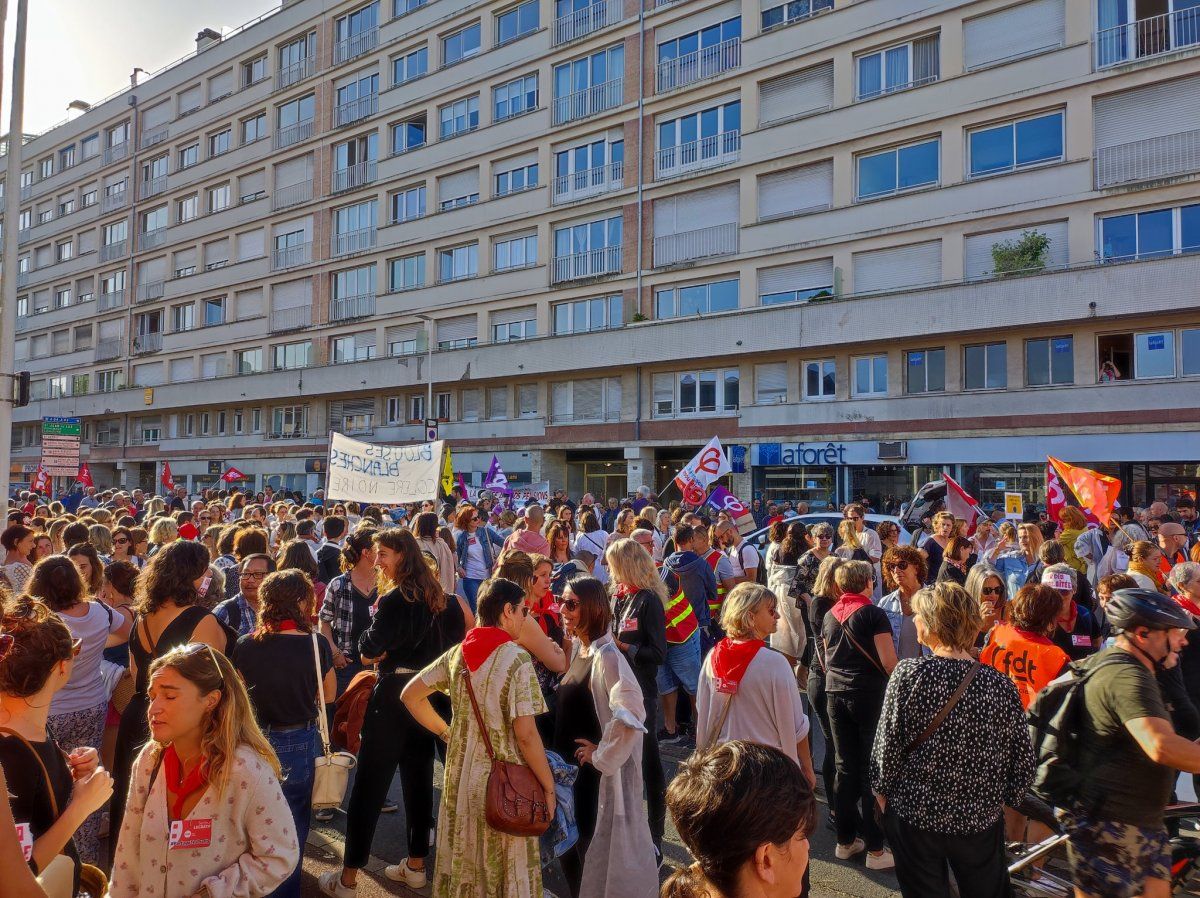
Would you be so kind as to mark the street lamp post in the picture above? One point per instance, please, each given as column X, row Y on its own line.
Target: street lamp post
column 428, row 365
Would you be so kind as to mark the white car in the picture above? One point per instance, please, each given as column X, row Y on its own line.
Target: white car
column 760, row 538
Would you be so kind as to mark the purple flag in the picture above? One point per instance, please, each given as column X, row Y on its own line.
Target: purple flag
column 496, row 481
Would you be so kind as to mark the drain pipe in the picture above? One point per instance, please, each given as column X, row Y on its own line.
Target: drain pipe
column 641, row 189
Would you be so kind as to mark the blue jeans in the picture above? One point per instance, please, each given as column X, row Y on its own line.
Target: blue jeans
column 296, row 749
column 470, row 590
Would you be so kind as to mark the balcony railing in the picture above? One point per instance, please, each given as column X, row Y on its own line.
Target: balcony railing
column 1148, row 159
column 107, row 350
column 353, row 176
column 345, row 307
column 290, row 319
column 154, row 186
column 26, row 192
column 154, row 136
column 353, row 110
column 23, row 278
column 297, row 71
column 589, row 182
column 707, row 152
column 593, row 263
column 706, row 62
column 1155, row 36
column 586, row 21
column 352, row 241
column 287, row 434
column 355, row 45
column 107, row 301
column 116, row 152
column 150, row 291
column 151, row 239
column 291, row 256
column 292, row 195
column 114, row 200
column 111, row 251
column 144, row 343
column 293, row 134
column 589, row 101
column 718, row 240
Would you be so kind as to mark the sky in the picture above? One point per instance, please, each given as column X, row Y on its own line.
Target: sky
column 85, row 49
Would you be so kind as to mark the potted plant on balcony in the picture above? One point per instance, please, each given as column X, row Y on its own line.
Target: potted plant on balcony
column 1024, row 255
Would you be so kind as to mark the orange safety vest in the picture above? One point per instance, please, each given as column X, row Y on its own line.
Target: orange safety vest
column 714, row 605
column 681, row 619
column 1029, row 660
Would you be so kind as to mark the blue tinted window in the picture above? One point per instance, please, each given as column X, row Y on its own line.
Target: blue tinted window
column 1154, row 234
column 991, row 150
column 1118, row 237
column 1189, row 229
column 1040, row 139
column 918, row 165
column 877, row 174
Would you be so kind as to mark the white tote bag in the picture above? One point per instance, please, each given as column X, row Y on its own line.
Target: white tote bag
column 332, row 769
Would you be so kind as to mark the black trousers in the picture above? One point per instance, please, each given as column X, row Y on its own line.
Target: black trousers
column 853, row 717
column 816, row 701
column 924, row 860
column 391, row 739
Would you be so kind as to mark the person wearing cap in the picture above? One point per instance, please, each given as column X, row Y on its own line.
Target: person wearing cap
column 1129, row 752
column 1173, row 540
column 1077, row 632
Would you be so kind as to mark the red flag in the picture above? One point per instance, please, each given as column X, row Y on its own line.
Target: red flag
column 462, row 488
column 167, row 480
column 1056, row 494
column 232, row 474
column 1096, row 492
column 961, row 504
column 41, row 481
column 85, row 475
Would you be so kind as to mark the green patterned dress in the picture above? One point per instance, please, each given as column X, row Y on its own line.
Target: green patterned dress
column 474, row 860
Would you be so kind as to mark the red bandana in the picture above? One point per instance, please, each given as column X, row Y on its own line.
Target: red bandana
column 543, row 611
column 623, row 592
column 180, row 787
column 1187, row 604
column 730, row 659
column 479, row 645
column 283, row 626
column 847, row 605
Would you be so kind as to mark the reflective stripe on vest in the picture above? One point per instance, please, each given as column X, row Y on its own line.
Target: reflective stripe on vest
column 714, row 605
column 681, row 619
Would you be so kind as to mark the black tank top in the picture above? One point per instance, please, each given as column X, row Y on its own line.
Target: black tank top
column 178, row 632
column 575, row 717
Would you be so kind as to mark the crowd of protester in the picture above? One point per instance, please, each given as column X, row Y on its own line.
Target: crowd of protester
column 165, row 663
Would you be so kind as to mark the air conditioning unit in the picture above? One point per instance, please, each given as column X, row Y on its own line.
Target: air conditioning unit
column 893, row 450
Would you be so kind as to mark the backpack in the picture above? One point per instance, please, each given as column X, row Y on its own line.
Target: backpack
column 562, row 574
column 350, row 710
column 1055, row 719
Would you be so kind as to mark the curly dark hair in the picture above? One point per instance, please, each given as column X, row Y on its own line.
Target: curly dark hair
column 411, row 575
column 910, row 554
column 171, row 575
column 40, row 641
column 284, row 595
column 121, row 576
column 56, row 583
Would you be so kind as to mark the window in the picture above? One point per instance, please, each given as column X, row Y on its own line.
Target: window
column 793, row 11
column 596, row 399
column 45, row 168
column 292, row 355
column 350, row 284
column 583, row 315
column 189, row 156
column 83, row 337
column 183, row 317
column 588, row 238
column 520, row 324
column 58, row 387
column 497, row 403
column 354, row 219
column 692, row 140
column 820, row 379
column 442, row 400
column 696, row 299
column 62, row 297
column 248, row 361
column 870, row 375
column 295, row 121
column 88, row 198
column 799, row 282
column 517, row 22
column 695, row 392
column 573, row 82
column 116, row 232
column 356, row 33
column 698, row 54
column 985, row 367
column 1014, row 145
column 408, row 135
column 405, row 340
column 770, row 383
column 64, row 250
column 1049, row 361
column 218, row 198
column 66, row 157
column 460, row 44
column 109, row 381
column 515, row 98
column 356, row 99
column 410, row 65
column 906, row 65
column 214, row 310
column 459, row 189
column 352, row 348
column 584, row 168
column 239, row 420
column 457, row 333
column 188, row 208
column 408, row 204
column 154, row 220
column 1189, row 340
column 220, row 142
column 926, row 370
column 1150, row 235
column 254, row 71
column 289, row 420
column 294, row 59
column 406, row 273
column 406, row 6
column 254, row 128
column 514, row 252
column 256, row 420
column 90, row 146
column 458, row 263
column 1154, row 355
column 66, row 205
column 46, row 215
column 515, row 180
column 459, row 117
column 898, row 169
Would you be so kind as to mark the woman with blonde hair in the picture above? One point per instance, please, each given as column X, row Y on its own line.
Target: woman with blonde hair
column 162, row 532
column 944, row 529
column 101, row 537
column 640, row 631
column 1144, row 561
column 824, row 593
column 1015, row 564
column 209, row 762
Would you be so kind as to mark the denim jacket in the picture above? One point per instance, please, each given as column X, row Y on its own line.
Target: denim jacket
column 891, row 606
column 488, row 540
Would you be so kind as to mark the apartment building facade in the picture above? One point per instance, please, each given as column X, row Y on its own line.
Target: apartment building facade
column 589, row 235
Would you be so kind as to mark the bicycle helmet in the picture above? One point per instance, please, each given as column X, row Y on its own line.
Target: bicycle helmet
column 1132, row 608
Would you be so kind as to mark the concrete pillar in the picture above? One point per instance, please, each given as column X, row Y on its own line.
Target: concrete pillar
column 639, row 467
column 549, row 464
column 742, row 485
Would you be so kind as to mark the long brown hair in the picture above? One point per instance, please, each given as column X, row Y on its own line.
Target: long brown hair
column 40, row 640
column 412, row 576
column 56, row 582
column 284, row 595
column 170, row 576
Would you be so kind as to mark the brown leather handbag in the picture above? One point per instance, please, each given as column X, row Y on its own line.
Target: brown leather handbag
column 515, row 802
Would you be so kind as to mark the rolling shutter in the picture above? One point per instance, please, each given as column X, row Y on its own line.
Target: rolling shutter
column 190, row 100
column 797, row 94
column 770, row 383
column 220, row 85
column 403, row 333
column 898, row 267
column 1156, row 110
column 497, row 403
column 459, row 184
column 248, row 304
column 212, row 365
column 805, row 189
column 148, row 375
column 294, row 171
column 512, row 316
column 182, row 369
column 184, row 258
column 292, row 295
column 1014, row 32
column 450, row 330
column 250, row 245
column 587, row 398
column 87, row 242
column 217, row 251
column 527, row 396
column 700, row 209
column 612, row 398
column 341, row 409
column 519, row 161
column 560, row 402
column 978, row 261
column 799, row 276
column 252, row 183
column 110, row 330
column 469, row 401
column 156, row 115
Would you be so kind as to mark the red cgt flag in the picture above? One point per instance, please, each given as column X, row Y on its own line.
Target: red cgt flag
column 85, row 475
column 167, row 480
column 1096, row 492
column 41, row 481
column 232, row 474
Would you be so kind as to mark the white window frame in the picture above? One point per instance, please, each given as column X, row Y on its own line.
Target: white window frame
column 826, row 367
column 871, row 388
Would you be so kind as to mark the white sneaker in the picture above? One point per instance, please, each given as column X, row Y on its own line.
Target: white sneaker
column 881, row 861
column 402, row 872
column 331, row 884
column 845, row 852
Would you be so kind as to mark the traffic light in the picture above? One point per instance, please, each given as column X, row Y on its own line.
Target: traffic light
column 22, row 379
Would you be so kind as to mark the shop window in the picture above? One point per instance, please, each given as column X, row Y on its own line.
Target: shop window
column 1049, row 361
column 820, row 379
column 985, row 366
column 1137, row 356
column 870, row 376
column 926, row 371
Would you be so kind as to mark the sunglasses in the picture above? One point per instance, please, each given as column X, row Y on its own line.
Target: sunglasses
column 898, row 565
column 569, row 604
column 120, row 541
column 992, row 591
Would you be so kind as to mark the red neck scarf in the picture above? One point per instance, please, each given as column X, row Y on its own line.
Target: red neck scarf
column 1187, row 604
column 542, row 610
column 284, row 626
column 479, row 645
column 730, row 659
column 179, row 786
column 847, row 605
column 624, row 592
